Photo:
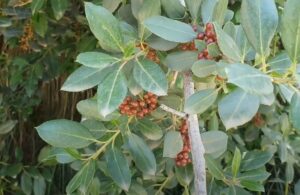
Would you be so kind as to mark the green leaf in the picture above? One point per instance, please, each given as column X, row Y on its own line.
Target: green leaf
column 149, row 129
column 280, row 63
column 184, row 175
column 150, row 77
column 111, row 5
column 39, row 186
column 215, row 143
column 249, row 79
column 148, row 9
column 105, row 27
column 237, row 108
column 65, row 134
column 88, row 108
column 134, row 87
column 36, row 5
column 142, row 155
column 220, row 11
column 290, row 29
column 173, row 144
column 160, row 44
column 194, row 8
column 207, row 10
column 62, row 156
column 162, row 26
column 295, row 111
column 96, row 127
column 85, row 78
column 258, row 175
column 200, row 101
column 40, row 23
column 181, row 61
column 259, row 19
column 7, row 126
column 59, row 8
column 227, row 45
column 111, row 92
column 253, row 186
column 204, row 68
column 214, row 168
column 26, row 183
column 236, row 162
column 118, row 167
column 255, row 160
column 5, row 22
column 96, row 59
column 173, row 8
column 83, row 178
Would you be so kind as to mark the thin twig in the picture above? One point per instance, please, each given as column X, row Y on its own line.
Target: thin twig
column 197, row 147
column 173, row 111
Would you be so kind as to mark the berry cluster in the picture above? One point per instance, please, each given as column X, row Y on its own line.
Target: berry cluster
column 209, row 36
column 26, row 38
column 139, row 107
column 151, row 53
column 188, row 46
column 183, row 158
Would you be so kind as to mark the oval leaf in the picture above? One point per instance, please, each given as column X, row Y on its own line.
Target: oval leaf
column 118, row 167
column 141, row 154
column 204, row 68
column 237, row 108
column 150, row 77
column 200, row 101
column 170, row 30
column 295, row 111
column 111, row 92
column 95, row 59
column 172, row 144
column 259, row 19
column 65, row 134
column 249, row 79
column 149, row 129
column 181, row 61
column 215, row 143
column 105, row 27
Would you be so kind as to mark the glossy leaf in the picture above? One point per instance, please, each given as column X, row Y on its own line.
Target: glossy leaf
column 173, row 8
column 118, row 167
column 204, row 68
column 194, row 8
column 162, row 26
column 295, row 111
column 253, row 186
column 36, row 5
column 173, row 144
column 215, row 143
column 150, row 77
column 181, row 61
column 200, row 101
column 254, row 175
column 227, row 45
column 249, row 79
column 7, row 126
column 290, row 29
column 59, row 7
column 26, row 183
column 84, row 78
column 96, row 59
column 65, row 134
column 149, row 129
column 111, row 92
column 39, row 186
column 220, row 11
column 96, row 127
column 207, row 10
column 255, row 160
column 160, row 44
column 214, row 168
column 236, row 162
column 83, row 178
column 259, row 19
column 142, row 155
column 40, row 24
column 237, row 108
column 105, row 27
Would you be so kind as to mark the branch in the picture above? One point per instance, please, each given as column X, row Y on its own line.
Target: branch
column 197, row 147
column 173, row 111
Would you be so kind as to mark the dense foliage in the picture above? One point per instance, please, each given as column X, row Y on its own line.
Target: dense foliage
column 133, row 134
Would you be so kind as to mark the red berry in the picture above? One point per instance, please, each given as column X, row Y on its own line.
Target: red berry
column 200, row 56
column 209, row 27
column 209, row 41
column 201, row 36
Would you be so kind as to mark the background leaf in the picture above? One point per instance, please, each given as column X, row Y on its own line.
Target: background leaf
column 65, row 134
column 295, row 111
column 173, row 144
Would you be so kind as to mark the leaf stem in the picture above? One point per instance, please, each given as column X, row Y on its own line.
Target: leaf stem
column 162, row 186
